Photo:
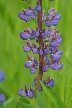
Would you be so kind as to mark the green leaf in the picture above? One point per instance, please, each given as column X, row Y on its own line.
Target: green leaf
column 41, row 100
column 69, row 90
column 20, row 105
column 70, row 106
column 54, row 98
column 61, row 85
column 28, row 105
column 11, row 103
column 24, row 99
column 1, row 105
column 33, row 101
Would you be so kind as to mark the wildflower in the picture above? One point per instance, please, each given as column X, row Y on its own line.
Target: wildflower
column 2, row 75
column 38, row 7
column 24, row 17
column 27, row 92
column 2, row 97
column 48, row 82
column 48, row 50
column 34, row 49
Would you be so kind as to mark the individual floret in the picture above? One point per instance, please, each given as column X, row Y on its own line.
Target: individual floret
column 22, row 92
column 48, row 82
column 46, row 50
column 33, row 59
column 24, row 17
column 34, row 49
column 28, row 64
column 38, row 7
column 40, row 50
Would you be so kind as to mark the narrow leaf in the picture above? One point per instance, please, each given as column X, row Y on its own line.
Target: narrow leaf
column 53, row 97
column 41, row 100
column 11, row 103
column 69, row 90
column 28, row 105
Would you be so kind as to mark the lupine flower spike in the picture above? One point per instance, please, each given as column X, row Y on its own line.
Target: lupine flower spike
column 48, row 40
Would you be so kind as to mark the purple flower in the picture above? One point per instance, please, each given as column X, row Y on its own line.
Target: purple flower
column 32, row 35
column 54, row 43
column 45, row 68
column 50, row 83
column 33, row 70
column 26, row 48
column 56, row 56
column 22, row 16
column 59, row 66
column 29, row 12
column 35, row 50
column 30, row 94
column 50, row 11
column 28, row 64
column 46, row 51
column 55, row 22
column 48, row 23
column 22, row 93
column 2, row 75
column 57, row 17
column 40, row 51
column 38, row 7
column 59, row 52
column 52, row 46
column 24, row 35
column 48, row 30
column 44, row 35
column 2, row 97
column 36, row 33
column 56, row 66
column 34, row 15
column 53, row 66
column 59, row 40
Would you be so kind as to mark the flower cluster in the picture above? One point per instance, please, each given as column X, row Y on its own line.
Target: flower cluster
column 51, row 47
column 31, row 64
column 52, row 18
column 30, row 13
column 52, row 40
column 48, row 82
column 27, row 92
column 2, row 77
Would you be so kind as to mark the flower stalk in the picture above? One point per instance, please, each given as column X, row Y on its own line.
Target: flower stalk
column 40, row 39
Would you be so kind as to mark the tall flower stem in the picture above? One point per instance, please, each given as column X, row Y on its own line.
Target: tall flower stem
column 40, row 39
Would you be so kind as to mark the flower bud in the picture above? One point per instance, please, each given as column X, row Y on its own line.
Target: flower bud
column 33, row 70
column 22, row 93
column 28, row 64
column 26, row 48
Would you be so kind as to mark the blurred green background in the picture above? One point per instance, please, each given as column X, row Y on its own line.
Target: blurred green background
column 12, row 57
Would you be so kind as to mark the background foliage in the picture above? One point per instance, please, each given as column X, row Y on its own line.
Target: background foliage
column 12, row 56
